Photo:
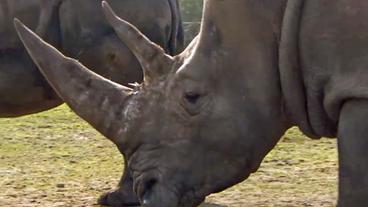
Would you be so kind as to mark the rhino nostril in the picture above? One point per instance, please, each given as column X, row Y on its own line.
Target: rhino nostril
column 145, row 191
column 150, row 183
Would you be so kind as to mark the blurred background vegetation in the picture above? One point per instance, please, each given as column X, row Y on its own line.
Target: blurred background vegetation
column 192, row 14
column 191, row 10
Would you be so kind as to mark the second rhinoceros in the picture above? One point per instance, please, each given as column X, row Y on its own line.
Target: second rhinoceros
column 79, row 29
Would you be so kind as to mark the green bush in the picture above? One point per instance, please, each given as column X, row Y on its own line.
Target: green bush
column 192, row 13
column 191, row 10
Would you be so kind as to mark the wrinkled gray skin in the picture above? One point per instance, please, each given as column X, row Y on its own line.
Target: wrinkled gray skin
column 197, row 124
column 79, row 29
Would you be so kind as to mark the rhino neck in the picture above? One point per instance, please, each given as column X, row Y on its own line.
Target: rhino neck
column 292, row 85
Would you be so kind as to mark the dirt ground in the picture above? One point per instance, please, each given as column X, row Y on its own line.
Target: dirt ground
column 54, row 159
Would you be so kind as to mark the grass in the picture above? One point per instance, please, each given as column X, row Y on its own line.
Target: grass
column 55, row 159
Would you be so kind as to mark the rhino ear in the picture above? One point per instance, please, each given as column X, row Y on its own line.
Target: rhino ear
column 154, row 62
column 94, row 98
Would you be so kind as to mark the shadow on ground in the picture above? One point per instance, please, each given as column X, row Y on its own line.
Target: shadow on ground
column 208, row 205
column 211, row 205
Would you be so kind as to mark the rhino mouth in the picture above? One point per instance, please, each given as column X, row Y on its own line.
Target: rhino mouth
column 144, row 190
column 152, row 193
column 155, row 193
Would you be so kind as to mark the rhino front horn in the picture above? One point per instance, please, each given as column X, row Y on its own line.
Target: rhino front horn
column 94, row 98
column 155, row 63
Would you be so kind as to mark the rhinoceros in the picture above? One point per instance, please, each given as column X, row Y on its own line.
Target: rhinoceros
column 203, row 121
column 79, row 29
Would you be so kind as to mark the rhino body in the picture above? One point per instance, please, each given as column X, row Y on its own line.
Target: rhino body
column 196, row 124
column 79, row 29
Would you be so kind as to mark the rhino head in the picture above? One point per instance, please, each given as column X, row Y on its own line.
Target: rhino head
column 200, row 122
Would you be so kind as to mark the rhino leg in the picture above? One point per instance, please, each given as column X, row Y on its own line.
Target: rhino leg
column 123, row 195
column 353, row 154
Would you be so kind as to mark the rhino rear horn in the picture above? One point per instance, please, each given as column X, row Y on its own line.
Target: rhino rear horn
column 154, row 62
column 97, row 100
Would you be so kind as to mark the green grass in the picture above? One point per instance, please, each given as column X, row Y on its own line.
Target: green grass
column 56, row 159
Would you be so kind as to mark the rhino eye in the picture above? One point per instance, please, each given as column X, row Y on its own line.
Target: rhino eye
column 192, row 97
column 111, row 56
